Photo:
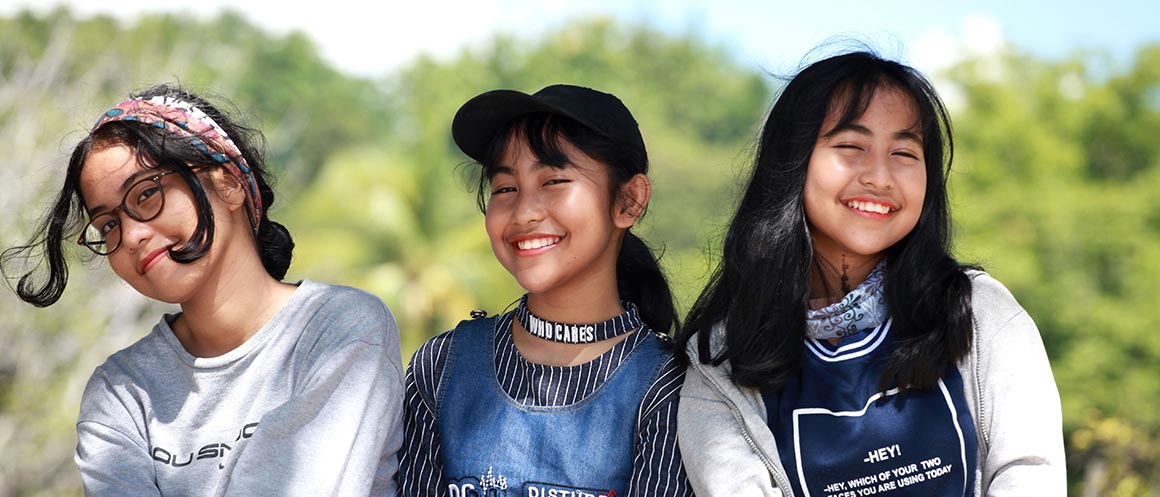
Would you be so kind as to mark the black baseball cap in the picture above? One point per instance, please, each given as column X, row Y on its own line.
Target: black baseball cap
column 478, row 120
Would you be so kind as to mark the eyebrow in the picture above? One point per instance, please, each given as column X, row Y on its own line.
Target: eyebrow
column 906, row 134
column 498, row 170
column 130, row 181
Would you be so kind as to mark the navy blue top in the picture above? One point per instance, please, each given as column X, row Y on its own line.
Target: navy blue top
column 838, row 435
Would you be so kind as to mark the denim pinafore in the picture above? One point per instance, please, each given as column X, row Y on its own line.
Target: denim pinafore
column 494, row 447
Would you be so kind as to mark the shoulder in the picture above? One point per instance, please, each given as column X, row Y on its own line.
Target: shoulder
column 433, row 351
column 151, row 356
column 343, row 313
column 993, row 305
column 127, row 379
column 430, row 359
column 436, row 349
column 988, row 292
column 339, row 298
column 666, row 385
column 716, row 338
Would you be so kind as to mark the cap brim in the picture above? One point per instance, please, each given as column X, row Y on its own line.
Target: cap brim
column 477, row 121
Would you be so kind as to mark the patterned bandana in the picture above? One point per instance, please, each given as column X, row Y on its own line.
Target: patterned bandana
column 181, row 118
column 578, row 333
column 864, row 307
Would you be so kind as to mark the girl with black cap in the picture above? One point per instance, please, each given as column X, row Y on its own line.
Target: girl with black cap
column 257, row 387
column 575, row 391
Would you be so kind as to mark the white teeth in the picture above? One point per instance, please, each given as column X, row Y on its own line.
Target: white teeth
column 869, row 207
column 536, row 243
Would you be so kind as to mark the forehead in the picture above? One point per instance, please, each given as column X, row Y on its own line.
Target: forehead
column 885, row 99
column 519, row 157
column 105, row 170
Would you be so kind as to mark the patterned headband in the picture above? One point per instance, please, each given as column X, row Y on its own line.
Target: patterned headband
column 181, row 118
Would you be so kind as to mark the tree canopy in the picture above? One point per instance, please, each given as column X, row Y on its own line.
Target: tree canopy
column 1054, row 190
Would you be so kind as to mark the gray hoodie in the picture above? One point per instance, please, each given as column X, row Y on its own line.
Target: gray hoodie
column 728, row 448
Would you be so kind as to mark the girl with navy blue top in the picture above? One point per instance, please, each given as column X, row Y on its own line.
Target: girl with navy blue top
column 840, row 350
column 575, row 391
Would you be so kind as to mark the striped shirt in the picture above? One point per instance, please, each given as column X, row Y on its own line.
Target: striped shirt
column 657, row 468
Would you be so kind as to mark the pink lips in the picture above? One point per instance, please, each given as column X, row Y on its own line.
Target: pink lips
column 152, row 259
column 870, row 208
column 534, row 244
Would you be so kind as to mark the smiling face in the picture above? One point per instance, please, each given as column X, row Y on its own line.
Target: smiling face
column 866, row 182
column 556, row 230
column 143, row 259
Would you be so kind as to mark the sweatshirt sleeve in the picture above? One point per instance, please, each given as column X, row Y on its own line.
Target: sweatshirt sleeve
column 112, row 455
column 1021, row 414
column 714, row 446
column 340, row 431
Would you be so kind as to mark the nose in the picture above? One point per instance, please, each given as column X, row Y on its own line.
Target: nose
column 877, row 173
column 134, row 233
column 529, row 207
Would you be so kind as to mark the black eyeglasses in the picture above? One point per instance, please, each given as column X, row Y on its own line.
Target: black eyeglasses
column 142, row 202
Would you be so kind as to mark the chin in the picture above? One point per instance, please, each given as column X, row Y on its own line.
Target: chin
column 536, row 283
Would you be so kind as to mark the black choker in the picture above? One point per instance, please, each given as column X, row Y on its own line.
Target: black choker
column 578, row 333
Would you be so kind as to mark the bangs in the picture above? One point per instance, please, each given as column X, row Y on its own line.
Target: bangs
column 851, row 99
column 544, row 135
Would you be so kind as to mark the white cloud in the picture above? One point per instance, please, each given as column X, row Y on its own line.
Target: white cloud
column 982, row 35
column 935, row 50
column 978, row 36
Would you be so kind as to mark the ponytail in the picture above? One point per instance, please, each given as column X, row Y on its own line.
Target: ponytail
column 640, row 280
column 275, row 246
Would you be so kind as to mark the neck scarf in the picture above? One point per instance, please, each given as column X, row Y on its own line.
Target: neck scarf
column 182, row 119
column 578, row 333
column 862, row 308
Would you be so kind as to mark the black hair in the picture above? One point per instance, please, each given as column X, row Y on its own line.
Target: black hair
column 154, row 148
column 639, row 278
column 759, row 291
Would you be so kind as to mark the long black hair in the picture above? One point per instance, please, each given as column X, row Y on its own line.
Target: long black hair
column 759, row 291
column 639, row 278
column 43, row 283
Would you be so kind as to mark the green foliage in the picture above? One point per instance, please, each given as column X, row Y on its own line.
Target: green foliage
column 1056, row 194
column 1054, row 190
column 664, row 80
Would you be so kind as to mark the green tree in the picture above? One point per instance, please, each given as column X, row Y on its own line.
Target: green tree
column 1056, row 194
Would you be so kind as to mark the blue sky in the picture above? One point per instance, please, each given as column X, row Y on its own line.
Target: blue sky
column 371, row 38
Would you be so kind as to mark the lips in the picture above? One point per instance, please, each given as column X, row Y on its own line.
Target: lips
column 871, row 207
column 152, row 259
column 531, row 245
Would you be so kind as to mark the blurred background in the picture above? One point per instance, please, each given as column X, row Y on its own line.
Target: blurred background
column 1055, row 189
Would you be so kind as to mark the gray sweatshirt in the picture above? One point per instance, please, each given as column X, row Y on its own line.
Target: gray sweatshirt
column 310, row 405
column 728, row 448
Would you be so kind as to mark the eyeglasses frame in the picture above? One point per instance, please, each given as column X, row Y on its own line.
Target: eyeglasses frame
column 156, row 178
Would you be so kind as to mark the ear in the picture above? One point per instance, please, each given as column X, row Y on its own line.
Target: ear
column 631, row 201
column 228, row 188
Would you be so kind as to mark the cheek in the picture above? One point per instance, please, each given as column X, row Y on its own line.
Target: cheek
column 494, row 221
column 915, row 188
column 123, row 265
column 816, row 192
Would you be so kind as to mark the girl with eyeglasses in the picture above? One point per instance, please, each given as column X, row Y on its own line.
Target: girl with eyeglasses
column 257, row 386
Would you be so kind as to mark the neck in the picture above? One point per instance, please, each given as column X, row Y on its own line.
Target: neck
column 831, row 278
column 579, row 306
column 576, row 306
column 231, row 307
